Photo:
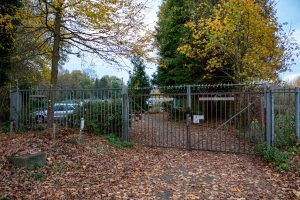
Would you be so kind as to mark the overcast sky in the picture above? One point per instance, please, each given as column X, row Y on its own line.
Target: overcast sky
column 287, row 11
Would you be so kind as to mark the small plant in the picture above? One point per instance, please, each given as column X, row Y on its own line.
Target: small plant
column 281, row 159
column 113, row 139
column 36, row 175
column 35, row 166
column 266, row 152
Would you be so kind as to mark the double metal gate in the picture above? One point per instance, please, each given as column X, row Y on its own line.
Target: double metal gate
column 228, row 117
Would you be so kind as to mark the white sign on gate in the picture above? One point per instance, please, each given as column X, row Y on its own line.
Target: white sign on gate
column 197, row 118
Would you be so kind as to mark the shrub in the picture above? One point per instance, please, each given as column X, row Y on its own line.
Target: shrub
column 281, row 159
column 285, row 135
column 94, row 127
column 101, row 117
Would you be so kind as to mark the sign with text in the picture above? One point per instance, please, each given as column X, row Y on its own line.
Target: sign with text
column 197, row 118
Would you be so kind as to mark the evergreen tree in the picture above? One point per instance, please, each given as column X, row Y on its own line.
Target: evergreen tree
column 174, row 67
column 137, row 80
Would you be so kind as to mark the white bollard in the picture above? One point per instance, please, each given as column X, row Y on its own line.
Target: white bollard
column 81, row 129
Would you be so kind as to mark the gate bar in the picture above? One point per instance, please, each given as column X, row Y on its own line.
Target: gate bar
column 188, row 118
column 125, row 113
column 297, row 118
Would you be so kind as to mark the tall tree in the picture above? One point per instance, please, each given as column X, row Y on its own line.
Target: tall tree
column 175, row 67
column 8, row 21
column 243, row 39
column 109, row 29
column 107, row 82
column 139, row 82
column 139, row 77
column 75, row 79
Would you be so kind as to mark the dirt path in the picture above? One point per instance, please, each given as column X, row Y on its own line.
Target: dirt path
column 97, row 170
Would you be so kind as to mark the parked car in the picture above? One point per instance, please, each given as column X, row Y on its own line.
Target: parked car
column 61, row 111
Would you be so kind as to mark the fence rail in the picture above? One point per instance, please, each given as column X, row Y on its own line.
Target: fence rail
column 227, row 117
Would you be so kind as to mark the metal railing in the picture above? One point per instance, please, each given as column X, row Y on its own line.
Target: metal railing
column 101, row 109
column 227, row 117
column 283, row 113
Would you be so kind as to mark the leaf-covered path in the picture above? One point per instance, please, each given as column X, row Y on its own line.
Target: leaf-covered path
column 96, row 170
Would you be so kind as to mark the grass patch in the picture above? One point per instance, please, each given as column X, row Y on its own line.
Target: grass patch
column 117, row 142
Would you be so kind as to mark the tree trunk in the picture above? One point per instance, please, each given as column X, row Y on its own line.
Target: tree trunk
column 54, row 68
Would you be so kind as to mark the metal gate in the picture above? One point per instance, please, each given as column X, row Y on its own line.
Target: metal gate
column 228, row 117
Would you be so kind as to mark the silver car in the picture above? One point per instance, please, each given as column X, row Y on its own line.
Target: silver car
column 61, row 111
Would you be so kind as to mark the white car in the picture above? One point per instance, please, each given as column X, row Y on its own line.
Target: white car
column 61, row 111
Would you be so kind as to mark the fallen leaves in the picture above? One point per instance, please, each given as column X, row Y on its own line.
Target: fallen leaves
column 236, row 189
column 297, row 193
column 96, row 170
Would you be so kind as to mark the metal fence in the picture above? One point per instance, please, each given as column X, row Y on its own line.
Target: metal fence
column 283, row 116
column 228, row 117
column 101, row 109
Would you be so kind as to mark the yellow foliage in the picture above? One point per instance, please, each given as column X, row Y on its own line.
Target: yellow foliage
column 237, row 33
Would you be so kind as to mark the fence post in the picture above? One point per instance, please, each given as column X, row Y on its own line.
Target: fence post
column 125, row 113
column 15, row 107
column 270, row 118
column 189, row 118
column 297, row 114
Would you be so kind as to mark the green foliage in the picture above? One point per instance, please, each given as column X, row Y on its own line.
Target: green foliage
column 36, row 175
column 285, row 135
column 107, row 82
column 5, row 127
column 101, row 117
column 228, row 38
column 267, row 153
column 139, row 79
column 116, row 141
column 35, row 166
column 8, row 21
column 94, row 127
column 281, row 159
column 176, row 68
column 75, row 79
